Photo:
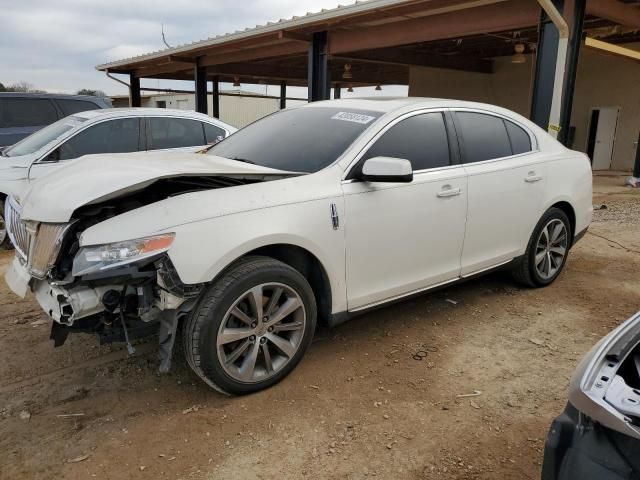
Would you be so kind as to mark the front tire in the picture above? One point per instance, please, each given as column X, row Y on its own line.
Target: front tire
column 547, row 250
column 252, row 327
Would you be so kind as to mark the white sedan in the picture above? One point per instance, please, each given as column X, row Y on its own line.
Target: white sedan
column 113, row 130
column 314, row 213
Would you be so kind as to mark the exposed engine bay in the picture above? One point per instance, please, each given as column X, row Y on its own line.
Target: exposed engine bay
column 133, row 299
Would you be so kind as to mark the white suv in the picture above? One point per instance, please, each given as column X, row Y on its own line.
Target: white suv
column 313, row 213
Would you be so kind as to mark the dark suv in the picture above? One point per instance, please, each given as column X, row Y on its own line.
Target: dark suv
column 21, row 114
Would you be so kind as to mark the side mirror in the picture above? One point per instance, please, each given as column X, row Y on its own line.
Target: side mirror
column 387, row 169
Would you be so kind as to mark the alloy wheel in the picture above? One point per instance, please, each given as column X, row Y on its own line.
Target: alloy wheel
column 551, row 248
column 261, row 332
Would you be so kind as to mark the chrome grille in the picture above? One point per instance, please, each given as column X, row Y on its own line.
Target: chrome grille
column 37, row 244
column 15, row 228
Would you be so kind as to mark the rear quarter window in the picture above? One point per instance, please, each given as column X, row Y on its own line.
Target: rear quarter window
column 26, row 112
column 520, row 140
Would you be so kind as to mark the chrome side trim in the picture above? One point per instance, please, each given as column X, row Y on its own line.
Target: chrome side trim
column 402, row 295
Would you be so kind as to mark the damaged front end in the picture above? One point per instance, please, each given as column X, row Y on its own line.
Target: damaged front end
column 120, row 291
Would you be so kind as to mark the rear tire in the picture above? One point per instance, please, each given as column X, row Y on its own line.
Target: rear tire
column 252, row 327
column 546, row 252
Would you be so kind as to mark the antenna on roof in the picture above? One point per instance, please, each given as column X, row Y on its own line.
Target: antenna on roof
column 164, row 40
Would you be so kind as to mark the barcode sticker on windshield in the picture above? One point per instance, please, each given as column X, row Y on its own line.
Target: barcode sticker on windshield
column 353, row 117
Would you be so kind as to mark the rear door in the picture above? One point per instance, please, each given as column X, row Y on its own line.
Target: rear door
column 506, row 182
column 21, row 116
column 405, row 237
column 174, row 133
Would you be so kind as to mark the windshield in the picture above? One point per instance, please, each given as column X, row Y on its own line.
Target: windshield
column 42, row 137
column 298, row 140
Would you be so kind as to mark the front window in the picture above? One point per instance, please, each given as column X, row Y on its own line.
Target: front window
column 304, row 139
column 43, row 137
column 113, row 136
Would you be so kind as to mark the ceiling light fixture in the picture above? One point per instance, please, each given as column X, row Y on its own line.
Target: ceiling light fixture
column 236, row 82
column 347, row 72
column 350, row 89
column 519, row 56
column 378, row 88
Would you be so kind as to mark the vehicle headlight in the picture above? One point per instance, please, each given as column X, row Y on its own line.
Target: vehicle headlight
column 111, row 255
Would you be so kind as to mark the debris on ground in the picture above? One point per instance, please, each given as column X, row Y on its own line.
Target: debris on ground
column 79, row 459
column 475, row 393
column 632, row 182
column 452, row 302
column 24, row 415
column 193, row 408
column 537, row 341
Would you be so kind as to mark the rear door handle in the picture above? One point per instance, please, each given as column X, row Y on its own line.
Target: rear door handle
column 448, row 192
column 533, row 178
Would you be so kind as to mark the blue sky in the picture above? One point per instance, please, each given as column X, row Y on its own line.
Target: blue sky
column 55, row 45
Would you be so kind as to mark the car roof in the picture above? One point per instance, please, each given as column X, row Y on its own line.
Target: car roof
column 62, row 96
column 144, row 112
column 390, row 104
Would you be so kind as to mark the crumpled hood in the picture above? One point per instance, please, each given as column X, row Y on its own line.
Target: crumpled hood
column 15, row 167
column 96, row 178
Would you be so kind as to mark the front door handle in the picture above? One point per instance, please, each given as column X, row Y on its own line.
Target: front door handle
column 533, row 178
column 447, row 191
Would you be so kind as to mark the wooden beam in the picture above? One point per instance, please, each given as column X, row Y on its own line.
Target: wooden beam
column 180, row 59
column 164, row 68
column 513, row 14
column 298, row 37
column 258, row 71
column 271, row 51
column 398, row 56
column 615, row 11
column 363, row 73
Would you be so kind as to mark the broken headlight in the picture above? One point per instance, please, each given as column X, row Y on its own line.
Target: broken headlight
column 111, row 255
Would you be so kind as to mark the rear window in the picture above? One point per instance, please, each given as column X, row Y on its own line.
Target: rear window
column 26, row 112
column 70, row 106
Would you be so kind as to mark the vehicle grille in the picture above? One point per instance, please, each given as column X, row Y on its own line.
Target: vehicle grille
column 38, row 246
column 15, row 228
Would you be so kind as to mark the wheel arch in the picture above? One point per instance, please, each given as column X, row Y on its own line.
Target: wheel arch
column 304, row 261
column 569, row 211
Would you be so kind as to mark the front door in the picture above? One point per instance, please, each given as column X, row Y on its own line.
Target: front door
column 405, row 237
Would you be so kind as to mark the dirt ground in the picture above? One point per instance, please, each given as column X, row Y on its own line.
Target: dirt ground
column 358, row 406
